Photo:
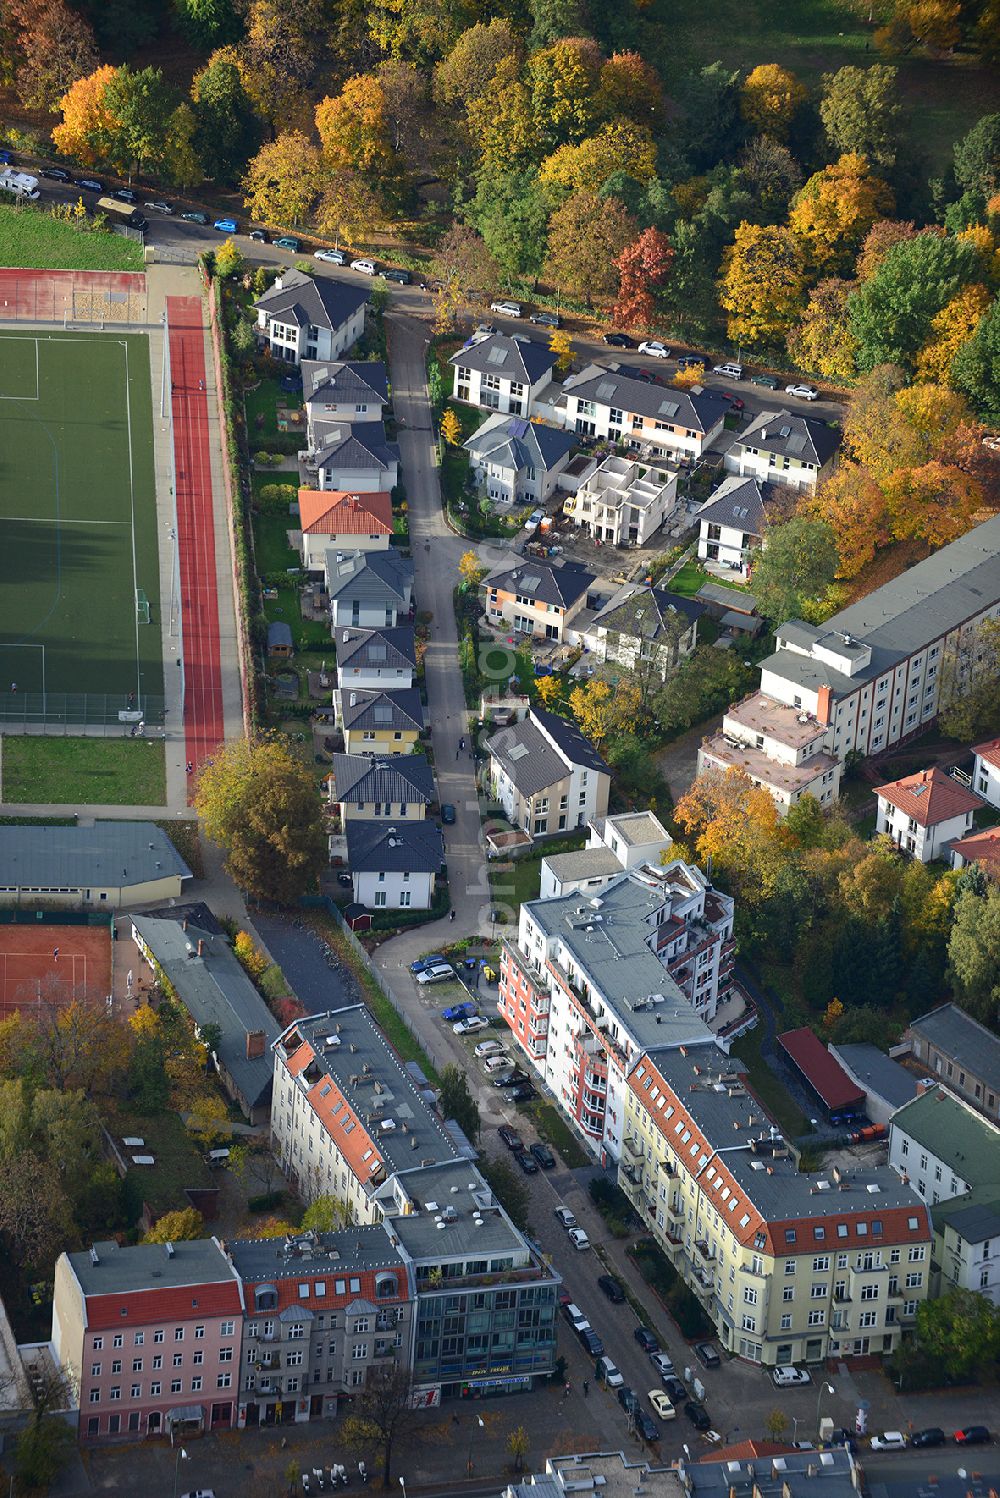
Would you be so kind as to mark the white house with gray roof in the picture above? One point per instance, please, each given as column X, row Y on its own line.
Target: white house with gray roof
column 780, row 447
column 644, row 629
column 355, row 458
column 384, row 659
column 335, row 392
column 731, row 523
column 516, row 460
column 105, row 866
column 306, row 317
column 613, row 403
column 367, row 589
column 500, row 373
column 394, row 867
column 547, row 777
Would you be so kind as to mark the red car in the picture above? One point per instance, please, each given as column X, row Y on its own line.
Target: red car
column 972, row 1435
column 735, row 404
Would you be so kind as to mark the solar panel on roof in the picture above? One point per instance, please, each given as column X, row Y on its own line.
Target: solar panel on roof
column 796, row 444
column 606, row 390
column 669, row 408
column 530, row 581
column 377, row 652
column 497, row 356
column 383, row 714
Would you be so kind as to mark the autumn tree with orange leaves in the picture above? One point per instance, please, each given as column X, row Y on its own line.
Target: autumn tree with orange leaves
column 86, row 124
column 642, row 267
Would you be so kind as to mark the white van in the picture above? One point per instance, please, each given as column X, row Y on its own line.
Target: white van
column 575, row 1317
column 217, row 1158
column 731, row 371
column 496, row 1063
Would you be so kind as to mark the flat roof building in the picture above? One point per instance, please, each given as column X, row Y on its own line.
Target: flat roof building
column 106, row 865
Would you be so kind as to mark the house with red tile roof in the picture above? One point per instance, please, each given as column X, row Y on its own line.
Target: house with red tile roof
column 982, row 847
column 332, row 518
column 923, row 813
column 986, row 772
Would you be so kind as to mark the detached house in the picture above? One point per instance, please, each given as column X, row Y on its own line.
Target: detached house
column 731, row 523
column 924, row 813
column 400, row 787
column 623, row 502
column 613, row 403
column 303, row 318
column 332, row 518
column 518, row 461
column 375, row 722
column 986, row 772
column 368, row 589
column 356, row 459
column 394, row 868
column 336, row 392
column 547, row 777
column 536, row 598
column 503, row 374
column 382, row 658
column 785, row 449
column 641, row 625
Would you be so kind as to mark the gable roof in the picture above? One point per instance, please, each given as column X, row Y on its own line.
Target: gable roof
column 989, row 752
column 336, row 512
column 823, row 1072
column 696, row 411
column 739, row 503
column 791, row 436
column 647, row 613
column 360, row 778
column 929, row 797
column 407, row 848
column 323, row 303
column 515, row 358
column 980, row 847
column 533, row 759
column 340, row 381
column 964, row 1039
column 367, row 707
column 543, row 582
column 358, row 445
column 369, row 574
column 377, row 647
column 109, row 855
column 570, row 741
column 513, row 442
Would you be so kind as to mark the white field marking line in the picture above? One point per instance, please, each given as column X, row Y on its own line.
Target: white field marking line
column 12, row 338
column 55, row 520
column 131, row 487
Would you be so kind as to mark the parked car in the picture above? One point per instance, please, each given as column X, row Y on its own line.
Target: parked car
column 611, row 1288
column 768, row 382
column 661, row 1404
column 785, row 1378
column 628, row 1399
column 733, row 370
column 366, row 267
column 195, row 216
column 804, row 392
column 698, row 1415
column 578, row 1238
column 484, row 330
column 661, row 1363
column 646, row 1340
column 646, row 1426
column 495, row 1064
column 454, row 1012
column 608, row 1373
column 432, row 959
column 842, row 1437
column 565, row 1218
column 469, row 1026
column 889, row 1440
column 226, row 226
column 511, row 1138
column 288, row 242
column 509, row 309
column 56, row 174
column 674, row 1387
column 125, row 195
column 89, row 184
column 735, row 402
column 200, row 1493
column 448, row 814
column 159, row 205
column 527, row 1162
column 972, row 1435
column 693, row 361
column 436, row 972
column 523, row 1093
column 513, row 1078
column 259, row 236
column 654, row 348
column 545, row 319
column 401, row 277
column 591, row 1342
column 332, row 257
column 544, row 1156
column 488, row 1048
column 707, row 1354
column 619, row 340
column 932, row 1436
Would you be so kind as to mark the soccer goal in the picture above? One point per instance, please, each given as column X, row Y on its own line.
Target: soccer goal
column 141, row 606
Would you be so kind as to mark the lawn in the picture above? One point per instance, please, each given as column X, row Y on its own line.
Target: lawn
column 31, row 237
column 791, row 1120
column 179, row 1163
column 519, row 881
column 691, row 577
column 106, row 772
column 262, row 420
column 554, row 1130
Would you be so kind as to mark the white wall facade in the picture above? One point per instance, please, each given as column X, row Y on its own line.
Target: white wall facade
column 389, row 678
column 753, row 463
column 923, row 843
column 291, row 343
column 413, row 891
column 496, row 392
column 595, row 419
column 986, row 780
column 358, row 480
column 727, row 546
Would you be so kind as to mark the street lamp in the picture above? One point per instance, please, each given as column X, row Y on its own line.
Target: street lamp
column 402, row 1484
column 482, row 1426
column 182, row 1456
column 823, row 1389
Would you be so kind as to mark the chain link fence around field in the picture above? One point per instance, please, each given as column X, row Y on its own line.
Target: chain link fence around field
column 110, row 714
column 74, row 298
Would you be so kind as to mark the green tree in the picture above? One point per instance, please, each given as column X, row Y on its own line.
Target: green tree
column 552, row 19
column 511, row 212
column 969, row 692
column 509, row 1188
column 227, row 131
column 259, row 802
column 456, row 1101
column 974, row 952
column 711, row 129
column 975, row 369
column 208, row 23
column 141, row 103
column 891, row 313
column 960, row 1332
column 43, row 1449
column 795, row 567
column 467, row 73
column 860, row 111
column 977, row 157
column 325, row 1215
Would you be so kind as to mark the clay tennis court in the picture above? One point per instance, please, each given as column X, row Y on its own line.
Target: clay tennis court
column 72, row 295
column 29, row 969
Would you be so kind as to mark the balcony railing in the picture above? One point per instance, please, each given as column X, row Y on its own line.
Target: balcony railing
column 667, row 1168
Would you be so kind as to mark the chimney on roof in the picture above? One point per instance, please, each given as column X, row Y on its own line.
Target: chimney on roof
column 201, row 947
column 170, row 1250
column 823, row 699
column 256, row 1044
column 184, row 924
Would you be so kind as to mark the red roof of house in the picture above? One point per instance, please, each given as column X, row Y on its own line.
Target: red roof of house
column 981, row 847
column 333, row 512
column 747, row 1451
column 823, row 1072
column 990, row 752
column 929, row 797
column 172, row 1303
column 355, row 1144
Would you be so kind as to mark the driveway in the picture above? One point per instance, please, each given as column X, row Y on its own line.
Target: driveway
column 678, row 762
column 299, row 953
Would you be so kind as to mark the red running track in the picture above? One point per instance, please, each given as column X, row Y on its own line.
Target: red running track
column 203, row 715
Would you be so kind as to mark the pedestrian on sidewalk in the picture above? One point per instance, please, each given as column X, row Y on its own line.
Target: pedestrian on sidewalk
column 586, row 1387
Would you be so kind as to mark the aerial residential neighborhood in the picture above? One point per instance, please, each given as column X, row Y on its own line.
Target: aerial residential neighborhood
column 500, row 749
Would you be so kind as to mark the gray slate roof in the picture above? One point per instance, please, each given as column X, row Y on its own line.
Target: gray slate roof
column 543, row 582
column 733, row 598
column 361, row 778
column 360, row 445
column 512, row 442
column 964, row 1039
column 376, row 647
column 215, row 990
column 799, row 437
column 323, row 302
column 577, row 749
column 698, row 412
column 367, row 708
column 108, row 855
column 647, row 613
column 363, row 1246
column 738, row 503
column 511, row 358
column 341, row 381
column 530, row 760
column 369, row 574
column 408, row 847
column 876, row 1072
column 279, row 634
column 122, row 1270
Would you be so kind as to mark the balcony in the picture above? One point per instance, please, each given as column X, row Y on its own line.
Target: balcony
column 633, row 1147
column 701, row 1244
column 632, row 1175
column 667, row 1168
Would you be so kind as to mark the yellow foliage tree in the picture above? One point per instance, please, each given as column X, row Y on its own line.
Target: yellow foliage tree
column 206, row 1111
column 762, row 286
column 950, row 328
column 470, row 568
column 350, row 209
column 144, row 1022
column 854, row 507
column 771, row 96
column 823, row 341
column 548, row 688
column 249, row 954
column 176, row 1227
column 269, row 1227
column 601, row 711
column 502, row 123
column 283, row 180
column 85, row 120
column 832, row 1016
column 620, row 146
column 833, row 212
column 736, row 824
column 561, row 345
column 685, row 378
column 451, row 427
column 354, row 130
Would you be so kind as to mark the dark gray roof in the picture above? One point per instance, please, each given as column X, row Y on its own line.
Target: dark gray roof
column 570, row 740
column 647, row 613
column 511, row 358
column 324, row 302
column 791, row 436
column 110, row 854
column 975, row 1224
column 529, row 758
column 513, row 442
column 360, row 445
column 733, row 598
column 797, row 1474
column 377, row 647
column 958, row 1035
column 697, row 411
column 357, row 1248
column 406, row 848
column 123, row 1270
column 366, row 707
column 369, row 574
column 279, row 633
column 739, row 503
column 543, row 581
column 215, row 990
column 397, row 777
column 333, row 380
column 876, row 1072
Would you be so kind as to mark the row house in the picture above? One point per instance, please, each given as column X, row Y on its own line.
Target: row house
column 518, row 461
column 585, row 991
column 378, row 659
column 375, row 722
column 790, row 1266
column 617, row 405
column 367, row 589
column 959, row 1052
column 644, row 629
column 332, row 520
column 731, row 523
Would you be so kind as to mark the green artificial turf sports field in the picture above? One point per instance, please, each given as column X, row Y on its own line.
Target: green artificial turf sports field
column 78, row 521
